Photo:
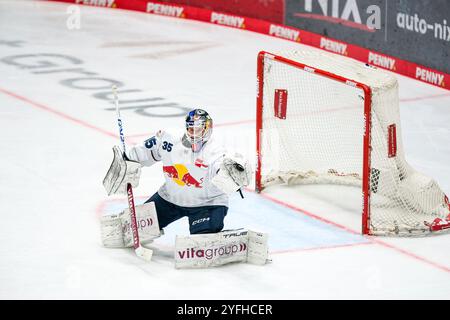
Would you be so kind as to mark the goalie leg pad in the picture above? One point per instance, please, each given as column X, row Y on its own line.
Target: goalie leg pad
column 116, row 229
column 111, row 231
column 215, row 249
column 258, row 248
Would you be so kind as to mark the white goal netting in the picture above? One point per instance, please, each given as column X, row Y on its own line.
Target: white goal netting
column 312, row 131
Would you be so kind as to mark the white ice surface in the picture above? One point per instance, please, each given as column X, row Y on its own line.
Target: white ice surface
column 56, row 146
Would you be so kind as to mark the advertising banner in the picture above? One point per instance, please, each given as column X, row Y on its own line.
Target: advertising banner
column 413, row 30
column 269, row 10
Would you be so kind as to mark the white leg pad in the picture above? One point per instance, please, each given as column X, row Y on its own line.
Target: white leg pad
column 258, row 248
column 215, row 249
column 116, row 229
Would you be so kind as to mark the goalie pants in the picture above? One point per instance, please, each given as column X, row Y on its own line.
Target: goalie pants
column 207, row 219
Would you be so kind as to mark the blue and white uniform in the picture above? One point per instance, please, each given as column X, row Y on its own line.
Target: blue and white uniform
column 188, row 190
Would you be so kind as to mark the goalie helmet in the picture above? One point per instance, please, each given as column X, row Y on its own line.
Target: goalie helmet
column 198, row 128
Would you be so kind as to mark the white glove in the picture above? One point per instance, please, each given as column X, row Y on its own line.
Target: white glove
column 234, row 173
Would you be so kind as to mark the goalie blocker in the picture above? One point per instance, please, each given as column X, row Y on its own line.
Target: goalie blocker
column 215, row 249
column 120, row 173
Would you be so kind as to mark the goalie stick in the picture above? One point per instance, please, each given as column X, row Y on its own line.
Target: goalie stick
column 141, row 252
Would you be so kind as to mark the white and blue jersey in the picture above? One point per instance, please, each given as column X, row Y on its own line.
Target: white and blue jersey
column 187, row 174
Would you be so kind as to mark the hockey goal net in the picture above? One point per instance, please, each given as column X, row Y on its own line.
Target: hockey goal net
column 328, row 119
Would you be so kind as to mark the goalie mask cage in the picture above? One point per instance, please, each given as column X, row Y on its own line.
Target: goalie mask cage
column 327, row 119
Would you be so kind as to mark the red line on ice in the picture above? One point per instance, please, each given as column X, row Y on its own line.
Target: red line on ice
column 58, row 113
column 370, row 238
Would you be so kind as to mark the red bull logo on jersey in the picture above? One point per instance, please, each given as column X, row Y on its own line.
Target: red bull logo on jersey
column 181, row 176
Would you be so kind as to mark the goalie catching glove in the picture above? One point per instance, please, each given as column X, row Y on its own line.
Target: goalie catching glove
column 234, row 173
column 121, row 172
